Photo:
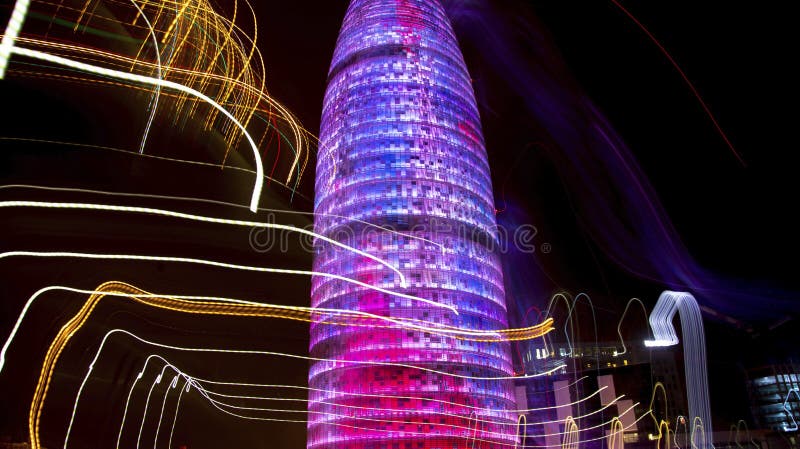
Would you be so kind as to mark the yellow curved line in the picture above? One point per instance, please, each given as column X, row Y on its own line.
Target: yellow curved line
column 198, row 307
column 616, row 437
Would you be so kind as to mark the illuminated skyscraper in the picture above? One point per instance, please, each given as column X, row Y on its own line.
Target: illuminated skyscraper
column 401, row 148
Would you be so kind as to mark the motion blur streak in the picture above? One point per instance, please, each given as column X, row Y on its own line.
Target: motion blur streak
column 35, row 54
column 694, row 352
column 185, row 216
column 216, row 264
column 157, row 93
column 71, row 327
column 612, row 197
column 205, row 52
column 197, row 383
column 121, row 289
column 211, row 305
column 210, row 201
column 11, row 33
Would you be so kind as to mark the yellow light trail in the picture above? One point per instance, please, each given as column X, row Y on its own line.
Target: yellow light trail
column 259, row 183
column 308, row 314
column 208, row 53
column 235, row 309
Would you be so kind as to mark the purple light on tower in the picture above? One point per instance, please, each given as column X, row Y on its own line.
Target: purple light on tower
column 401, row 148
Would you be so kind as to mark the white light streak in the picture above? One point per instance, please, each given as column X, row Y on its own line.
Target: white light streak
column 11, row 33
column 197, row 383
column 132, row 77
column 149, row 156
column 202, row 218
column 172, row 386
column 220, row 265
column 112, row 332
column 619, row 325
column 157, row 92
column 44, row 290
column 694, row 353
column 146, row 406
column 221, row 203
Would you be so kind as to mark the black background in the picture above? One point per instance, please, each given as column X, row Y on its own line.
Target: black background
column 736, row 220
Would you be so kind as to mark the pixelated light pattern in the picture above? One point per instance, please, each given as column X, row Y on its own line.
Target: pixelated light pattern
column 401, row 147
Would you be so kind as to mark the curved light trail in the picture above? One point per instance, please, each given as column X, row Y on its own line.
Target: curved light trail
column 132, row 77
column 77, row 255
column 157, row 93
column 201, row 218
column 210, row 305
column 694, row 352
column 70, row 329
column 198, row 384
column 218, row 202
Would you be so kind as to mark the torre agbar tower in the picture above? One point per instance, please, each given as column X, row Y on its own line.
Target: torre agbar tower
column 402, row 175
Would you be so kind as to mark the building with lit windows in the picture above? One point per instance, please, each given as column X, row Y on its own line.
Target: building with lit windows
column 774, row 392
column 402, row 174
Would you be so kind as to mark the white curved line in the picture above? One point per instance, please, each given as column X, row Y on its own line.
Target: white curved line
column 694, row 353
column 44, row 290
column 221, row 203
column 185, row 216
column 125, row 76
column 157, row 92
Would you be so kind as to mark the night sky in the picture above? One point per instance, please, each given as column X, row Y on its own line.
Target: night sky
column 736, row 220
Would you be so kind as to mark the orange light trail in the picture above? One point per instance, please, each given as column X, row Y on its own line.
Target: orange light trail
column 69, row 329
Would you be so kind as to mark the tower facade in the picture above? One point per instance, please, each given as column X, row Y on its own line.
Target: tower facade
column 402, row 175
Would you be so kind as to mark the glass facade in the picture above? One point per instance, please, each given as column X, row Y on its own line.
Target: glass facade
column 402, row 174
column 773, row 402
